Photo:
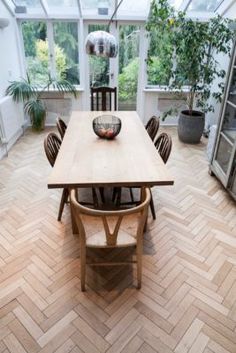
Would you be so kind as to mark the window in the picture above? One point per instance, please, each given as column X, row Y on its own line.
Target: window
column 128, row 66
column 161, row 59
column 66, row 53
column 36, row 50
column 66, row 50
column 98, row 66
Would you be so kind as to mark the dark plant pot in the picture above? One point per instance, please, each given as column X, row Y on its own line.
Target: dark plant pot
column 190, row 127
column 37, row 118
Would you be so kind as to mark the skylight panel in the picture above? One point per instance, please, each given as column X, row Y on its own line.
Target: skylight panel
column 28, row 7
column 65, row 7
column 203, row 5
column 133, row 9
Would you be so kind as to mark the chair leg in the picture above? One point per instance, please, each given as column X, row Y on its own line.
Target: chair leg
column 64, row 198
column 102, row 194
column 152, row 208
column 82, row 266
column 95, row 197
column 118, row 198
column 114, row 193
column 139, row 264
column 131, row 194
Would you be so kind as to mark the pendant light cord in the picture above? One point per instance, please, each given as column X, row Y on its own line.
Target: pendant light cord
column 115, row 11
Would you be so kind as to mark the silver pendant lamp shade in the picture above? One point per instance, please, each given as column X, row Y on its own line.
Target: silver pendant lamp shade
column 101, row 43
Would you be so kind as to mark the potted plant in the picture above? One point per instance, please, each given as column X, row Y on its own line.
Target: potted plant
column 30, row 94
column 191, row 62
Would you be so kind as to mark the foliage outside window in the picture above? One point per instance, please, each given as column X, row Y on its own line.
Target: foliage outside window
column 37, row 51
column 128, row 66
column 160, row 59
column 66, row 40
column 193, row 46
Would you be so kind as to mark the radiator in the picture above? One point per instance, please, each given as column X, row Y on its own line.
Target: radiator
column 11, row 120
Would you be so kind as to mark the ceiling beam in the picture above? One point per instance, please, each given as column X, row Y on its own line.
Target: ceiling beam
column 225, row 6
column 80, row 8
column 9, row 8
column 185, row 5
column 45, row 7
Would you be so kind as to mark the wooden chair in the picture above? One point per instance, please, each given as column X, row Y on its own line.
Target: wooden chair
column 103, row 98
column 61, row 126
column 152, row 127
column 110, row 239
column 163, row 145
column 52, row 144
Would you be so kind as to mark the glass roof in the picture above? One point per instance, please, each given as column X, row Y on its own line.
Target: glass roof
column 103, row 9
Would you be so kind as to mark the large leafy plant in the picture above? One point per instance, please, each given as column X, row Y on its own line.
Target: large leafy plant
column 191, row 53
column 31, row 95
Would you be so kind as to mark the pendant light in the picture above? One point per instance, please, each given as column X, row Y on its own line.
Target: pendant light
column 102, row 43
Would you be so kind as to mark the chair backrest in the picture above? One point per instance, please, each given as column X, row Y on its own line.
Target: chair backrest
column 152, row 127
column 109, row 237
column 61, row 126
column 52, row 144
column 163, row 145
column 103, row 98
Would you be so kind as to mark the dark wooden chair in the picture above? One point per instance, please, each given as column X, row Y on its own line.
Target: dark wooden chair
column 61, row 126
column 52, row 144
column 152, row 127
column 103, row 98
column 107, row 238
column 163, row 145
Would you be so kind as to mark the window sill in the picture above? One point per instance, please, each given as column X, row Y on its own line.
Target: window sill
column 165, row 89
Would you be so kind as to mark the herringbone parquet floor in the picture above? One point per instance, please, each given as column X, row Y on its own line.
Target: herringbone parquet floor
column 188, row 299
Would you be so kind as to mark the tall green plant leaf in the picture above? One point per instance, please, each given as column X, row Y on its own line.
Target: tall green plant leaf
column 21, row 91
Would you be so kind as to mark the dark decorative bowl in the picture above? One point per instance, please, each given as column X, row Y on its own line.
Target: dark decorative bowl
column 107, row 126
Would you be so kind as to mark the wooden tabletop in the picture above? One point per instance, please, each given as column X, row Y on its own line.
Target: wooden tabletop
column 85, row 160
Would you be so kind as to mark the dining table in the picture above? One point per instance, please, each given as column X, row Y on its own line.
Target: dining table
column 130, row 159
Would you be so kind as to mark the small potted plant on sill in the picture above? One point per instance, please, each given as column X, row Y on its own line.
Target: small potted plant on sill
column 30, row 94
column 191, row 50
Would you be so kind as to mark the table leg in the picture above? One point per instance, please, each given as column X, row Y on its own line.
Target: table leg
column 73, row 221
column 142, row 199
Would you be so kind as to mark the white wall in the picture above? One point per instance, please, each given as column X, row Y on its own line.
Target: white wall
column 10, row 70
column 9, row 58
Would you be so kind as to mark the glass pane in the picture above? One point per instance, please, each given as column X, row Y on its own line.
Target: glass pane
column 66, row 50
column 232, row 90
column 98, row 66
column 160, row 51
column 229, row 123
column 36, row 50
column 134, row 8
column 32, row 6
column 203, row 5
column 97, row 7
column 128, row 66
column 176, row 3
column 63, row 6
column 224, row 154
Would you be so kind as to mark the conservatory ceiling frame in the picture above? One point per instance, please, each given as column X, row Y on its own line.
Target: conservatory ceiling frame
column 221, row 8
